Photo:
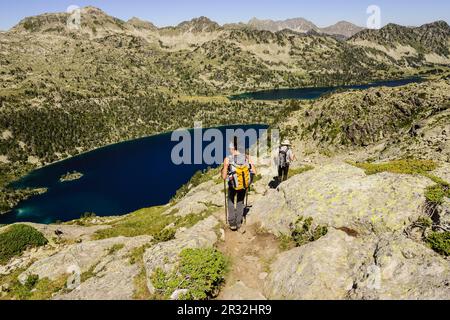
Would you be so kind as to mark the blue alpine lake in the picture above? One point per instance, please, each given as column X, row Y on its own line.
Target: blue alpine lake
column 312, row 93
column 121, row 178
column 117, row 179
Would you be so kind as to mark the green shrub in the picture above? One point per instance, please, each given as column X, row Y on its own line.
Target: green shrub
column 31, row 282
column 165, row 235
column 435, row 194
column 16, row 239
column 424, row 222
column 200, row 271
column 440, row 242
column 304, row 232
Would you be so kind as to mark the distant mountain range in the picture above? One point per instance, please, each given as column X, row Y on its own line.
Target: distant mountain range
column 342, row 28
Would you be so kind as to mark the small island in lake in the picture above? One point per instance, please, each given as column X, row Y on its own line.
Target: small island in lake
column 71, row 176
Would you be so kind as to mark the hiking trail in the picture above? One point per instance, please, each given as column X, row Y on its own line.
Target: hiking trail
column 250, row 257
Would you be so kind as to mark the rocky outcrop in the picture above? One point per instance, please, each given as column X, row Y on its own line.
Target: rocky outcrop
column 340, row 195
column 366, row 254
column 198, row 199
column 320, row 270
column 403, row 269
column 339, row 267
column 113, row 280
column 165, row 255
column 80, row 258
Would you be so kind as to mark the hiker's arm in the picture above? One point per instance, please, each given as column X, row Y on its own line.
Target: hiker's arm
column 226, row 163
column 253, row 166
column 294, row 157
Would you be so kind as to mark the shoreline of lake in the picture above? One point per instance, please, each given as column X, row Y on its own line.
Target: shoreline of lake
column 117, row 179
column 318, row 92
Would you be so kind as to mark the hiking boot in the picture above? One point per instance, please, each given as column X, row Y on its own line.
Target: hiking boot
column 233, row 228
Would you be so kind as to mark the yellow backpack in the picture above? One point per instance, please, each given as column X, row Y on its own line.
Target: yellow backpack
column 239, row 169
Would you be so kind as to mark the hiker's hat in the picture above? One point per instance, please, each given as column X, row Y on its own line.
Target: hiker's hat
column 286, row 143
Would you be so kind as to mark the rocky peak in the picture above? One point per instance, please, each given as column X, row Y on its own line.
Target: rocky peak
column 92, row 20
column 197, row 25
column 296, row 24
column 343, row 28
column 429, row 38
column 141, row 24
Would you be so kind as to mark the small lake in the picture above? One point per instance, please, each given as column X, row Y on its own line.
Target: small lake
column 117, row 179
column 311, row 93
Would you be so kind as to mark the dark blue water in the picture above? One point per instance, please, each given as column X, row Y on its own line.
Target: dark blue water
column 118, row 179
column 314, row 93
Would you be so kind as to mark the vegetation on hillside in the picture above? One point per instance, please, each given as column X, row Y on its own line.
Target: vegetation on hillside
column 18, row 238
column 200, row 272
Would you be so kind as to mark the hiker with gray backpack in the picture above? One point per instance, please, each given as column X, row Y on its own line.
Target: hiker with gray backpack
column 238, row 170
column 285, row 157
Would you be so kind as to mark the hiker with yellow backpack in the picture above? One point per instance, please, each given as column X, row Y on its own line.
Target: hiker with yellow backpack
column 238, row 170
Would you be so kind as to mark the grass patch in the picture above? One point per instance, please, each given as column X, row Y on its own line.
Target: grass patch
column 18, row 238
column 439, row 242
column 33, row 288
column 297, row 171
column 200, row 271
column 286, row 242
column 115, row 248
column 153, row 222
column 399, row 166
column 141, row 291
column 85, row 276
column 148, row 221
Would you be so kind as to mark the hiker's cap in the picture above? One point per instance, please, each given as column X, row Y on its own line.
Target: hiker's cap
column 286, row 143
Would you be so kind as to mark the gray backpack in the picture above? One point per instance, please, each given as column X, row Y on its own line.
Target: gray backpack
column 283, row 160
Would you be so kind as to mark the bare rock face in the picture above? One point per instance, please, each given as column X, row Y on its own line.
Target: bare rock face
column 165, row 255
column 403, row 269
column 320, row 270
column 80, row 257
column 198, row 198
column 365, row 254
column 339, row 267
column 340, row 195
column 113, row 280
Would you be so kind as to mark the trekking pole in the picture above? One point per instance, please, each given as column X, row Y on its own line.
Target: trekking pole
column 226, row 202
column 246, row 197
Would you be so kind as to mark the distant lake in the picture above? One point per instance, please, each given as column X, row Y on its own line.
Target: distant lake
column 117, row 179
column 311, row 93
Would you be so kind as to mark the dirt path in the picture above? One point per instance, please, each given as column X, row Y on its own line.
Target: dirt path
column 251, row 255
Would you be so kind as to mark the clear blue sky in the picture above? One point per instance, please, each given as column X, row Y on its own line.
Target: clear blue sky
column 171, row 12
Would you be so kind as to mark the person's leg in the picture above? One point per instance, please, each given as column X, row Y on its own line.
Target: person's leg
column 240, row 206
column 285, row 173
column 280, row 174
column 231, row 207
